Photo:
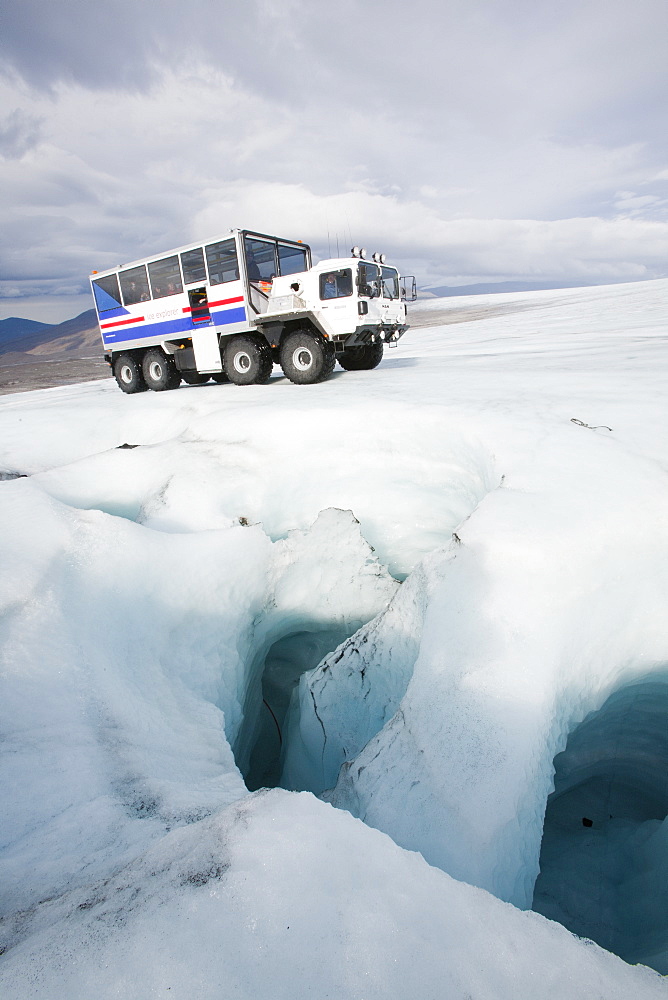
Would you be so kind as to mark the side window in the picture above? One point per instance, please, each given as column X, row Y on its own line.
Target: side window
column 165, row 277
column 192, row 262
column 107, row 295
column 292, row 260
column 336, row 284
column 221, row 259
column 134, row 285
column 260, row 259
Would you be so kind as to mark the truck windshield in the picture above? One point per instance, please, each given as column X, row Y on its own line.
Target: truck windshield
column 390, row 283
column 369, row 275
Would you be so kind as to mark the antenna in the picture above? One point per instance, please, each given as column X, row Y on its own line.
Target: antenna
column 350, row 232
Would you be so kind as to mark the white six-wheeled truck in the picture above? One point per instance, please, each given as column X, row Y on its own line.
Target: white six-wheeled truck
column 231, row 308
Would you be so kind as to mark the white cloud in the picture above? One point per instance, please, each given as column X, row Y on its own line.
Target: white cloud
column 628, row 201
column 424, row 130
column 420, row 239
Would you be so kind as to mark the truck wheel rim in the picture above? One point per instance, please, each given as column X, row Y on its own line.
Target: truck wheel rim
column 155, row 370
column 302, row 359
column 126, row 374
column 242, row 362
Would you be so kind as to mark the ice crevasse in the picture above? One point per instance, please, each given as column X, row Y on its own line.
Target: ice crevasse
column 132, row 665
column 525, row 664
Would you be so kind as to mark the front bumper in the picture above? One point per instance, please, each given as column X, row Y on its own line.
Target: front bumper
column 372, row 333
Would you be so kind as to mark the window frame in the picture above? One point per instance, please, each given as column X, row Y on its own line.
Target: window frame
column 137, row 269
column 235, row 254
column 265, row 243
column 366, row 289
column 97, row 283
column 156, row 290
column 298, row 250
column 395, row 277
column 276, row 240
column 203, row 276
column 341, row 272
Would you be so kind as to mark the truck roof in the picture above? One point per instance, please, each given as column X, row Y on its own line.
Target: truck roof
column 195, row 244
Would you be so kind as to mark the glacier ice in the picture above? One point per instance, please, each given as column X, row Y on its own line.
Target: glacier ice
column 514, row 648
column 132, row 666
column 604, row 863
column 155, row 600
column 281, row 896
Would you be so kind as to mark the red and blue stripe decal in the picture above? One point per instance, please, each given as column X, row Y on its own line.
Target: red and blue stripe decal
column 125, row 329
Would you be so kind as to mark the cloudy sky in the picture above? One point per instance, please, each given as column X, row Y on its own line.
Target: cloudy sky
column 471, row 140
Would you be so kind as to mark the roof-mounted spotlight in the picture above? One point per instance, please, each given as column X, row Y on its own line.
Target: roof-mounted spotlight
column 374, row 257
column 363, row 253
column 382, row 258
column 355, row 252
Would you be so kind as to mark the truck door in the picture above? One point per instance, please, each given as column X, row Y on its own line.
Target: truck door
column 199, row 306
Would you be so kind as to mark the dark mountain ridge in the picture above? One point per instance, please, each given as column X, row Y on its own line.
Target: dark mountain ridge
column 14, row 328
column 42, row 341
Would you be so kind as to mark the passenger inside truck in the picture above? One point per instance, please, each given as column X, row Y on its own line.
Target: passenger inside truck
column 260, row 258
column 336, row 284
column 252, row 267
column 134, row 285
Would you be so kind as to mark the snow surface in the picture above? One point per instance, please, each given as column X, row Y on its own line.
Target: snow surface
column 487, row 582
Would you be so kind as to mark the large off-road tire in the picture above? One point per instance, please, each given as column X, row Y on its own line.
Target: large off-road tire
column 307, row 357
column 159, row 370
column 194, row 378
column 361, row 359
column 247, row 360
column 128, row 374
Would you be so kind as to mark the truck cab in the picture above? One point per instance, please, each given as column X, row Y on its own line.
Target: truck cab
column 351, row 301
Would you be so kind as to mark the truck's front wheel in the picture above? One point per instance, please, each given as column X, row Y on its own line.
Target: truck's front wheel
column 247, row 360
column 307, row 357
column 361, row 359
